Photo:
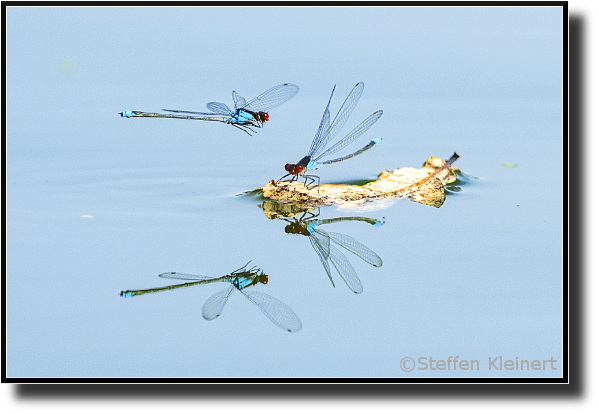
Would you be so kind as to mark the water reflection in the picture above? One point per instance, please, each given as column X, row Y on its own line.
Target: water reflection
column 323, row 243
column 278, row 312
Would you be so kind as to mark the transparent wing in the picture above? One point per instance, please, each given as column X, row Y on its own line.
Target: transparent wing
column 214, row 305
column 352, row 136
column 345, row 270
column 278, row 312
column 321, row 238
column 357, row 248
column 191, row 112
column 184, row 276
column 323, row 128
column 339, row 121
column 273, row 97
column 219, row 108
column 322, row 245
column 238, row 100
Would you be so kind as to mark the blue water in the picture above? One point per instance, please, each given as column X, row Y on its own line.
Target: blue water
column 97, row 204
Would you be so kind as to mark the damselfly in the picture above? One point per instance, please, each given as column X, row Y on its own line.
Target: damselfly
column 323, row 241
column 245, row 115
column 278, row 312
column 327, row 131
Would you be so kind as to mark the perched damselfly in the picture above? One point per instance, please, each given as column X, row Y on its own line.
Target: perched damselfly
column 327, row 131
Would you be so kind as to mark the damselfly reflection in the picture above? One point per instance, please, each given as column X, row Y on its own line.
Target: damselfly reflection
column 245, row 115
column 323, row 241
column 278, row 312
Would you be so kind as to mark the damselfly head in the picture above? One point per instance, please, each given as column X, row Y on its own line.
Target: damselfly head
column 294, row 169
column 294, row 228
column 263, row 116
column 263, row 278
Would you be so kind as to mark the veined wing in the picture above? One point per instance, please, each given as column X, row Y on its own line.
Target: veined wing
column 273, row 97
column 321, row 244
column 323, row 241
column 186, row 276
column 357, row 248
column 345, row 270
column 214, row 305
column 340, row 119
column 278, row 312
column 352, row 136
column 323, row 129
column 217, row 108
column 192, row 112
column 238, row 100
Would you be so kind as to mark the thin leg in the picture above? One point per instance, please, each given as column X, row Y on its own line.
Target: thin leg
column 294, row 177
column 243, row 129
column 310, row 177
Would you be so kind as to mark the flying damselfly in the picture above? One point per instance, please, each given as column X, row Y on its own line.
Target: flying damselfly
column 245, row 115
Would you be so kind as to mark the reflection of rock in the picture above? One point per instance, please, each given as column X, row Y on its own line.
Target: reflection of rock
column 424, row 185
column 273, row 210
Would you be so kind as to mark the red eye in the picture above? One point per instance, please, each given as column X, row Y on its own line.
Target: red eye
column 265, row 116
column 299, row 168
column 287, row 167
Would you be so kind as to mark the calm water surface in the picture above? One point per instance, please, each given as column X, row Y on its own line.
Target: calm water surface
column 97, row 204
